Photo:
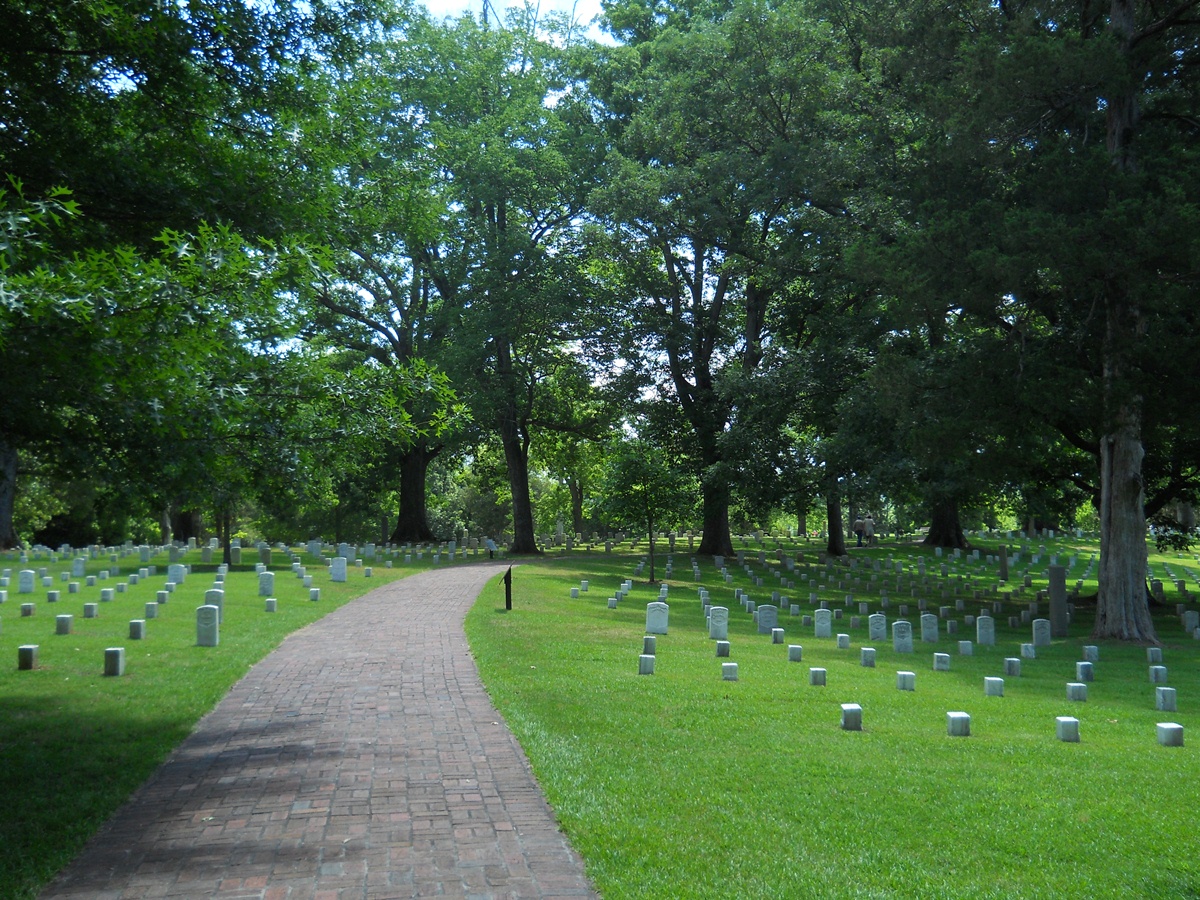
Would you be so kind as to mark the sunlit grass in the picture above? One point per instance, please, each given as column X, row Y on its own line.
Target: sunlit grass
column 681, row 784
column 73, row 743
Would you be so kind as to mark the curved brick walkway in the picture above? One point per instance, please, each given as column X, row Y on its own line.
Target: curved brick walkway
column 361, row 759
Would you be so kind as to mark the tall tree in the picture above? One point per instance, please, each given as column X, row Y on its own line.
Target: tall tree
column 716, row 199
column 515, row 154
column 1047, row 189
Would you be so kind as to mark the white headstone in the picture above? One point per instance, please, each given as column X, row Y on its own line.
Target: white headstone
column 718, row 623
column 337, row 569
column 1066, row 728
column 902, row 637
column 1041, row 632
column 656, row 617
column 823, row 623
column 208, row 629
column 114, row 662
column 216, row 599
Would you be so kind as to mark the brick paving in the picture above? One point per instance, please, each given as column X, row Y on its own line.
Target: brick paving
column 362, row 759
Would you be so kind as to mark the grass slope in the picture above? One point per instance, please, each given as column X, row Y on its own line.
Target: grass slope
column 75, row 744
column 681, row 784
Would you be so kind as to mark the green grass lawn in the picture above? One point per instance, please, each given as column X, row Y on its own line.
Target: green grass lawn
column 681, row 784
column 73, row 743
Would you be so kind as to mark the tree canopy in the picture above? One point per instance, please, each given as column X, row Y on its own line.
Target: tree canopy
column 939, row 262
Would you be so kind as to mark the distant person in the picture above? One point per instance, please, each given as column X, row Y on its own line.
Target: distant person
column 869, row 530
column 859, row 528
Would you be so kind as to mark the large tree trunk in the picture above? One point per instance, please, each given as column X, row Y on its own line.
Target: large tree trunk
column 412, row 519
column 8, row 495
column 185, row 523
column 836, row 545
column 516, row 458
column 715, row 512
column 575, row 486
column 944, row 528
column 1122, row 608
column 224, row 534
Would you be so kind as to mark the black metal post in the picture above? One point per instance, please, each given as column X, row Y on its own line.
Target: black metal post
column 508, row 588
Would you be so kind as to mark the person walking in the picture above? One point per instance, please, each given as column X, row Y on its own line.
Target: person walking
column 869, row 530
column 858, row 528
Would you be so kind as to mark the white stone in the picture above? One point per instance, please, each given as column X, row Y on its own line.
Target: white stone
column 866, row 657
column 656, row 617
column 1084, row 671
column 1158, row 674
column 645, row 664
column 958, row 724
column 843, row 641
column 64, row 624
column 966, row 648
column 993, row 687
column 1028, row 651
column 1066, row 728
column 216, row 598
column 929, row 628
column 722, row 648
column 1041, row 632
column 718, row 623
column 208, row 629
column 941, row 662
column 851, row 717
column 114, row 662
column 1170, row 734
column 906, row 681
column 902, row 637
column 1164, row 699
column 337, row 569
column 816, row 677
column 729, row 671
column 985, row 631
column 823, row 623
column 1077, row 691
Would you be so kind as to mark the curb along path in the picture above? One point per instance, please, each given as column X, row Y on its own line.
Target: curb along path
column 362, row 759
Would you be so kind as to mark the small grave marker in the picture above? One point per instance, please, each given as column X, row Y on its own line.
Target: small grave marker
column 851, row 717
column 114, row 662
column 1066, row 728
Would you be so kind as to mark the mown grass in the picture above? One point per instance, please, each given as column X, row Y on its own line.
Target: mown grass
column 681, row 784
column 73, row 743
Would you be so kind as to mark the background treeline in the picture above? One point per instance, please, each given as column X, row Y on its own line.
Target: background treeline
column 341, row 268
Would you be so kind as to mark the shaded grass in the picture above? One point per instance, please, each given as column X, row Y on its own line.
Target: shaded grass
column 75, row 744
column 684, row 785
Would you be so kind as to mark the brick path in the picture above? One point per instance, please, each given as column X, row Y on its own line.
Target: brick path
column 361, row 759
